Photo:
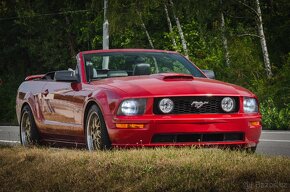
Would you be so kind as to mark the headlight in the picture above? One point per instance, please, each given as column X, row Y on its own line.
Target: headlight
column 228, row 104
column 250, row 105
column 132, row 107
column 166, row 105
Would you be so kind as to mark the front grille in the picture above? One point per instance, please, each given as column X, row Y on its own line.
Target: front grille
column 197, row 137
column 183, row 105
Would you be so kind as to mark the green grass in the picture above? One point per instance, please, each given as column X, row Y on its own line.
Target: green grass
column 162, row 169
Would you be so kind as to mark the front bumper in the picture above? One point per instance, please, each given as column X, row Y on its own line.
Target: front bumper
column 199, row 126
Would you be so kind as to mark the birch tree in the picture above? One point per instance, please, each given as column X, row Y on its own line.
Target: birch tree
column 263, row 40
column 145, row 29
column 105, row 64
column 180, row 31
column 128, row 14
column 224, row 39
column 261, row 35
column 169, row 24
column 105, row 27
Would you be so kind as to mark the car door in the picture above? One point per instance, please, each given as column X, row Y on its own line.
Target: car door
column 58, row 106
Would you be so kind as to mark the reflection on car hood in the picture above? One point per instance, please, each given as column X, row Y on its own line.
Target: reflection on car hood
column 172, row 85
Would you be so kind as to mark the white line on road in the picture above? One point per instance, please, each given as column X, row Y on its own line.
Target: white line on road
column 7, row 141
column 276, row 132
column 270, row 140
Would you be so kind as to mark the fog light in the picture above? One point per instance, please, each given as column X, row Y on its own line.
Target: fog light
column 129, row 126
column 228, row 104
column 166, row 105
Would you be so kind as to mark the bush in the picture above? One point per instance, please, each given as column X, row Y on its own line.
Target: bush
column 274, row 97
column 273, row 117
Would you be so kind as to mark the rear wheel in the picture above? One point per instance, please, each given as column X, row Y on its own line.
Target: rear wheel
column 97, row 137
column 28, row 130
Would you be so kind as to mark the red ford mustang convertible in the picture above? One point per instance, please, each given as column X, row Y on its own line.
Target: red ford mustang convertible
column 136, row 98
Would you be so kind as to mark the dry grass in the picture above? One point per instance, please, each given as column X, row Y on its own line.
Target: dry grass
column 170, row 169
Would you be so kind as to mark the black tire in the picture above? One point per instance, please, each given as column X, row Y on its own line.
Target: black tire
column 251, row 149
column 96, row 133
column 248, row 149
column 28, row 131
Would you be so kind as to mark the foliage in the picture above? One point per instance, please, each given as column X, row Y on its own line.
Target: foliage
column 274, row 96
column 273, row 117
column 37, row 36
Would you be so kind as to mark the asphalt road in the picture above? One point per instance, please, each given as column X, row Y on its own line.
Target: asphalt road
column 271, row 142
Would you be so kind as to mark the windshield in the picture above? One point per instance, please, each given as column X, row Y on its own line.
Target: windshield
column 119, row 64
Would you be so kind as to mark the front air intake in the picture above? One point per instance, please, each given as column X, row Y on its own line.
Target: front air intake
column 178, row 78
column 198, row 137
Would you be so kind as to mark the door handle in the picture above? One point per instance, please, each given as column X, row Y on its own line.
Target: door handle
column 45, row 93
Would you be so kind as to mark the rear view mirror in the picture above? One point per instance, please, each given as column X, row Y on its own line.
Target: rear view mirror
column 209, row 73
column 66, row 76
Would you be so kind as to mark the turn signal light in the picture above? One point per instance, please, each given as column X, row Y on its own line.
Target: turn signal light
column 255, row 123
column 129, row 126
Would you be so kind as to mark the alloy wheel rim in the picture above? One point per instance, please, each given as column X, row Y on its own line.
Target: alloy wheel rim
column 25, row 129
column 94, row 132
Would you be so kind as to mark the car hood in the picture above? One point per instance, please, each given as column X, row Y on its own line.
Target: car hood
column 171, row 84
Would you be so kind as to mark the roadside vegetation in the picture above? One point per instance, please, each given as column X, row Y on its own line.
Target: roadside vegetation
column 229, row 37
column 161, row 169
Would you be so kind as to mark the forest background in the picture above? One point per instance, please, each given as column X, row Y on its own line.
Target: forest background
column 246, row 42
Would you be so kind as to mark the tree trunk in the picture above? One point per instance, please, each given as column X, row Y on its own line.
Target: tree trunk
column 145, row 29
column 169, row 25
column 105, row 27
column 180, row 31
column 263, row 41
column 71, row 42
column 105, row 64
column 225, row 40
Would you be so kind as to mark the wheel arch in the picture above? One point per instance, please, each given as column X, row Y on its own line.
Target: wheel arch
column 106, row 100
column 32, row 110
column 89, row 104
column 25, row 104
column 21, row 109
column 28, row 100
column 34, row 132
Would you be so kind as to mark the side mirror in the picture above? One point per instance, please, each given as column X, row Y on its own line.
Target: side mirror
column 209, row 73
column 65, row 76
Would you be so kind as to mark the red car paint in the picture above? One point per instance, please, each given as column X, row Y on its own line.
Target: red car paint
column 31, row 77
column 59, row 108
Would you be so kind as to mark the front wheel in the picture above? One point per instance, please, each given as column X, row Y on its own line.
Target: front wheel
column 97, row 137
column 28, row 130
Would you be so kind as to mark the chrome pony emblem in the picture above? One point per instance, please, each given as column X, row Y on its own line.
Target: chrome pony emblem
column 198, row 104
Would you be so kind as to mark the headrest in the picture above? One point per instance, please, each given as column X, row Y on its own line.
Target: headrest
column 141, row 69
